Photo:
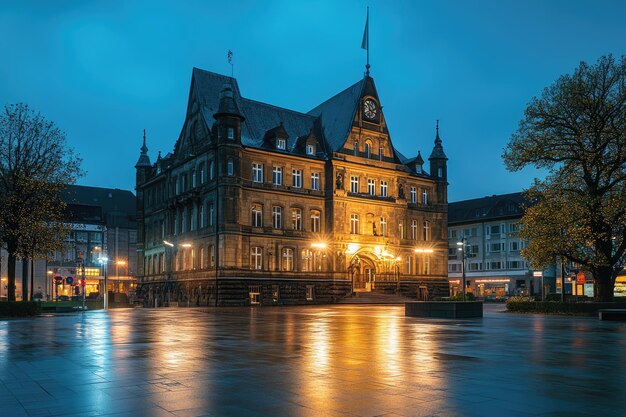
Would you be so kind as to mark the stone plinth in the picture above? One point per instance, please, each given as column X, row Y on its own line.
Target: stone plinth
column 444, row 309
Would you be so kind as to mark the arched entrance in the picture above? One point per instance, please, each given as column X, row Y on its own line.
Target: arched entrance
column 362, row 269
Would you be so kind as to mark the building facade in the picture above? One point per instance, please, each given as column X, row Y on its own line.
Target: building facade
column 487, row 230
column 264, row 205
column 103, row 227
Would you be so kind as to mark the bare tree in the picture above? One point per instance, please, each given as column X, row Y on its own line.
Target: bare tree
column 577, row 131
column 35, row 165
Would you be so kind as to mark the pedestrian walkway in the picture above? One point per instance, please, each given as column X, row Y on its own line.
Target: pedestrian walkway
column 341, row 360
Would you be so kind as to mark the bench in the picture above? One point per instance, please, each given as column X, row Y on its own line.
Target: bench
column 612, row 314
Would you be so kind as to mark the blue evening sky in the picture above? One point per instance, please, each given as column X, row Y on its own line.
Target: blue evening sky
column 104, row 71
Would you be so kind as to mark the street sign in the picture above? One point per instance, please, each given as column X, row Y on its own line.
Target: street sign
column 537, row 274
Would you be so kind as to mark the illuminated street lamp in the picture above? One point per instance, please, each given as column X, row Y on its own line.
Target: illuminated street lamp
column 104, row 261
column 461, row 246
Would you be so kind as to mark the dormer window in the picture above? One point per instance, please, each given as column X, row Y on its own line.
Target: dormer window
column 418, row 169
column 281, row 144
column 230, row 132
column 310, row 149
column 356, row 148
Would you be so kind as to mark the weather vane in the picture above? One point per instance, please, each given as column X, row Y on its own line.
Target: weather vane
column 230, row 61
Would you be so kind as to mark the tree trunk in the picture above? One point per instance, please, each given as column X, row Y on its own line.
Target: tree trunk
column 605, row 283
column 11, row 272
column 24, row 279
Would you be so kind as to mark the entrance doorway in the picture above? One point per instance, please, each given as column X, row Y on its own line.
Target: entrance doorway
column 363, row 273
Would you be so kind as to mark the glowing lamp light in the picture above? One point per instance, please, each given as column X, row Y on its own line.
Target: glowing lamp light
column 352, row 248
column 186, row 245
column 423, row 251
column 170, row 244
column 319, row 245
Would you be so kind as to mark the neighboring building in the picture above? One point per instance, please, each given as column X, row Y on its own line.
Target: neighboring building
column 302, row 207
column 494, row 267
column 104, row 225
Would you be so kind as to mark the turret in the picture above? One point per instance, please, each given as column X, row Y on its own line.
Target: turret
column 438, row 168
column 228, row 118
column 143, row 165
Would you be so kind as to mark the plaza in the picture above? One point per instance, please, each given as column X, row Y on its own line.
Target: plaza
column 346, row 360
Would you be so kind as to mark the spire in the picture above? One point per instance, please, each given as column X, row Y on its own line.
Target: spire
column 437, row 152
column 144, row 159
column 418, row 159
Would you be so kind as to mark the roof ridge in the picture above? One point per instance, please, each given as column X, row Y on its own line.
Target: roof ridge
column 278, row 107
column 336, row 95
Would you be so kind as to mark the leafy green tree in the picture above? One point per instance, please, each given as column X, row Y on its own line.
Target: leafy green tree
column 35, row 165
column 576, row 130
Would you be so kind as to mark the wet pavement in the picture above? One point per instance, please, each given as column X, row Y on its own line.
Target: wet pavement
column 310, row 361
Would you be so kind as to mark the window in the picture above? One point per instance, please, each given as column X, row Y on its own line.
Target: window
column 193, row 179
column 256, row 258
column 175, row 223
column 427, row 265
column 281, row 144
column 257, row 172
column 383, row 188
column 275, row 293
column 515, row 265
column 307, row 260
column 255, row 294
column 296, row 219
column 354, row 224
column 371, row 187
column 426, row 235
column 212, row 255
column 257, row 215
column 176, row 186
column 425, row 197
column 202, row 220
column 183, row 223
column 315, row 181
column 451, row 234
column 202, row 260
column 356, row 148
column 277, row 217
column 354, row 184
column 413, row 195
column 211, row 213
column 409, row 264
column 401, row 229
column 414, row 229
column 494, row 247
column 310, row 149
column 368, row 150
column 315, row 221
column 230, row 133
column 418, row 168
column 513, row 227
column 514, row 246
column 211, row 169
column 277, row 176
column 296, row 178
column 202, row 179
column 230, row 167
column 383, row 226
column 310, row 292
column 287, row 264
column 380, row 153
column 194, row 218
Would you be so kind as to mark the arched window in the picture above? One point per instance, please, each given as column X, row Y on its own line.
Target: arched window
column 368, row 149
column 356, row 148
column 257, row 215
column 316, row 221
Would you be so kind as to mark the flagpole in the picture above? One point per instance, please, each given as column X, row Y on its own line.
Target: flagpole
column 367, row 28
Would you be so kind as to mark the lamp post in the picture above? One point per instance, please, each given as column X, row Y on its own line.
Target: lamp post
column 104, row 261
column 461, row 244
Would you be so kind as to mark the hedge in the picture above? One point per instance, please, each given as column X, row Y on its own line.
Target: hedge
column 559, row 307
column 19, row 308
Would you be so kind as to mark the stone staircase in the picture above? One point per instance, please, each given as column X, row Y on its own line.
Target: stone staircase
column 374, row 298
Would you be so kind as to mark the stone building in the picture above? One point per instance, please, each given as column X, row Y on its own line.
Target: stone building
column 259, row 204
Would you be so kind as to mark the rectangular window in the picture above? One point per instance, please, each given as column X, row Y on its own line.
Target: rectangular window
column 287, row 259
column 315, row 181
column 193, row 179
column 275, row 293
column 514, row 246
column 401, row 229
column 380, row 153
column 425, row 197
column 194, row 218
column 257, row 172
column 277, row 217
column 255, row 294
column 201, row 215
column 371, row 187
column 513, row 227
column 256, row 258
column 231, row 133
column 277, row 176
column 383, row 226
column 426, row 234
column 383, row 188
column 409, row 264
column 494, row 247
column 414, row 229
column 202, row 179
column 183, row 223
column 354, row 224
column 310, row 292
column 296, row 178
column 211, row 169
column 257, row 215
column 281, row 144
column 230, row 167
column 296, row 219
column 212, row 255
column 515, row 265
column 413, row 195
column 315, row 221
column 310, row 149
column 355, row 148
column 354, row 184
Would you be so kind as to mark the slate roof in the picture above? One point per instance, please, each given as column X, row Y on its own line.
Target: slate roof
column 486, row 208
column 338, row 113
column 113, row 202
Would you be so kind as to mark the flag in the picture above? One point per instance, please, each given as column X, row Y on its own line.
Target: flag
column 365, row 44
column 230, row 56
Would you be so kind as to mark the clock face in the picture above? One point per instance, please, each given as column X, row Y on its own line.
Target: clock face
column 369, row 109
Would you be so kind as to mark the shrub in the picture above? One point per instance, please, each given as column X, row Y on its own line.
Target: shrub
column 19, row 308
column 558, row 307
column 459, row 297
